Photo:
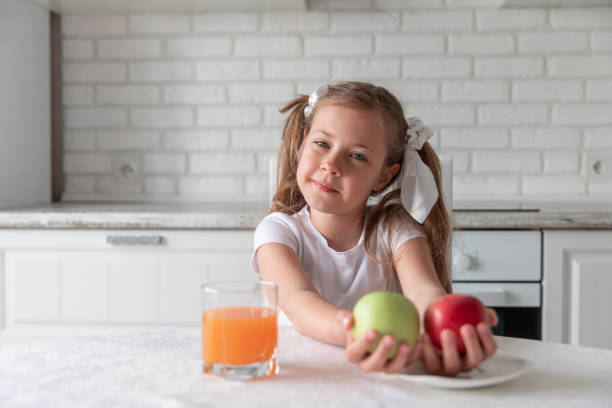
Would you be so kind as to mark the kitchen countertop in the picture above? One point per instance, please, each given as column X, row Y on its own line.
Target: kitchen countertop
column 557, row 215
column 162, row 368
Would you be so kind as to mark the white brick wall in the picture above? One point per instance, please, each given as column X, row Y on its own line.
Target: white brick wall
column 518, row 97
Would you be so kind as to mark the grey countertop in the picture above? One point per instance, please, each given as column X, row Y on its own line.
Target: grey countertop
column 466, row 215
column 134, row 216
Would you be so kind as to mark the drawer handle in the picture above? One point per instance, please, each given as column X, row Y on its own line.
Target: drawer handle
column 493, row 296
column 462, row 261
column 135, row 240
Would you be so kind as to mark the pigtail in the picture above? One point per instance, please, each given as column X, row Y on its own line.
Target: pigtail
column 437, row 226
column 288, row 198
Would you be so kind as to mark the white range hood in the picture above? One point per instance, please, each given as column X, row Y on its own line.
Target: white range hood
column 168, row 6
column 556, row 3
column 188, row 6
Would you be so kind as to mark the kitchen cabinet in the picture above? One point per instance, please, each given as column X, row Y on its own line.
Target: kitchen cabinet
column 64, row 280
column 82, row 279
column 576, row 287
column 25, row 104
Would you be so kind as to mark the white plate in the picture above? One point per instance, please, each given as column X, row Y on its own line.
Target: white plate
column 500, row 368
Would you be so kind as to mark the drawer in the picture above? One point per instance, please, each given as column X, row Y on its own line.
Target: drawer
column 485, row 255
column 113, row 287
column 502, row 294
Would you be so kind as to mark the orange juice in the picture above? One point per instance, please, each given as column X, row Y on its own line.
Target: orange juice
column 239, row 335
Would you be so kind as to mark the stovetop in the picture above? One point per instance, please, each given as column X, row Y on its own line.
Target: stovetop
column 532, row 206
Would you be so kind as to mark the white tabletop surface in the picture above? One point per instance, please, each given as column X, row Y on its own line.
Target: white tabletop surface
column 162, row 368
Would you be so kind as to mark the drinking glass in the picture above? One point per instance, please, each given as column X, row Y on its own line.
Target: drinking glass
column 239, row 329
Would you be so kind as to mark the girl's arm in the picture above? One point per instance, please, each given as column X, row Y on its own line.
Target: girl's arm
column 315, row 317
column 417, row 274
column 420, row 284
column 311, row 315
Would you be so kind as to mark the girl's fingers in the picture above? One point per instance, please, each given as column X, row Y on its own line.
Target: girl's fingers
column 345, row 318
column 450, row 355
column 479, row 343
column 404, row 352
column 415, row 353
column 377, row 360
column 430, row 357
column 356, row 349
column 474, row 351
column 486, row 339
column 349, row 339
column 493, row 319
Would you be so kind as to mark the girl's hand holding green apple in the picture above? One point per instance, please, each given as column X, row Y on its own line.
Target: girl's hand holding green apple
column 382, row 332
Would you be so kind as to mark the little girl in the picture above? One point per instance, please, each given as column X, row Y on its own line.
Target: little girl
column 326, row 247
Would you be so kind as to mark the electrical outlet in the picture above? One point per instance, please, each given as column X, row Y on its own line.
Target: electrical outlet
column 127, row 169
column 599, row 165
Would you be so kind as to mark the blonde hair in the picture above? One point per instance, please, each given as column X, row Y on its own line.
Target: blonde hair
column 359, row 95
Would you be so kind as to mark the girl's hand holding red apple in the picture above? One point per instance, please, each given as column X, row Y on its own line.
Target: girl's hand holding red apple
column 459, row 336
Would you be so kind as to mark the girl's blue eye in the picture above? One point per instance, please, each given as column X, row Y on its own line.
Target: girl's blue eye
column 358, row 156
column 321, row 144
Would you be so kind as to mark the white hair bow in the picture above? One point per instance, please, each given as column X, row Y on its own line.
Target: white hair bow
column 418, row 186
column 314, row 98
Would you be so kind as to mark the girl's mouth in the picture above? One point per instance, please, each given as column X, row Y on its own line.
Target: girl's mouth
column 324, row 187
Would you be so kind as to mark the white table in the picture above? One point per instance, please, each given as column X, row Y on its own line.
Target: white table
column 162, row 368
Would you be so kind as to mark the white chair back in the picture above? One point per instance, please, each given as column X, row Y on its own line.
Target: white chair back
column 446, row 164
column 272, row 179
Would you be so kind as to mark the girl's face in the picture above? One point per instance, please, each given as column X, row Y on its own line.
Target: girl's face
column 342, row 159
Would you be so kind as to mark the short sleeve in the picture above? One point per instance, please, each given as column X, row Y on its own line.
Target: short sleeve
column 277, row 228
column 402, row 230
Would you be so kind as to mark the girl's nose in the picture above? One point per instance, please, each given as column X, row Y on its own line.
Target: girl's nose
column 331, row 166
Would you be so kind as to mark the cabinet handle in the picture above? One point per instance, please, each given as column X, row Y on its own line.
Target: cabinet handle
column 492, row 296
column 135, row 240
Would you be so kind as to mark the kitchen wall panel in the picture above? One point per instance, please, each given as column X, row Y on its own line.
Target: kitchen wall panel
column 25, row 159
column 184, row 107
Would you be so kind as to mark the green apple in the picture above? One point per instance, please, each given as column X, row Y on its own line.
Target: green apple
column 387, row 313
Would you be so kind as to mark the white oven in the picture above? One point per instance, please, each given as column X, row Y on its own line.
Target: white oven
column 503, row 268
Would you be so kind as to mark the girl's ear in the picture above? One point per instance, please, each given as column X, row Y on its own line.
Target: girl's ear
column 386, row 176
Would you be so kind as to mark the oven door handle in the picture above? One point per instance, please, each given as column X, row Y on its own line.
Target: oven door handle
column 491, row 296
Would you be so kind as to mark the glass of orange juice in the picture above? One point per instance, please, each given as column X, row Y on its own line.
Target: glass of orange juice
column 239, row 329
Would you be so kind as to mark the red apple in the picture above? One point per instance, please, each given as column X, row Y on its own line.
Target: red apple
column 452, row 312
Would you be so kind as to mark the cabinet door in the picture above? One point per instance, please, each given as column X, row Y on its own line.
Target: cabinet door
column 589, row 284
column 119, row 287
column 576, row 287
column 180, row 277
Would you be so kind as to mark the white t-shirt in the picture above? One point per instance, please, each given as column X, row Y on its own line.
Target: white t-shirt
column 340, row 277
